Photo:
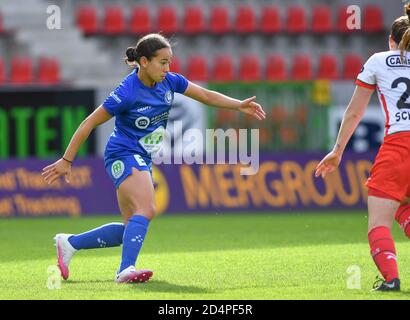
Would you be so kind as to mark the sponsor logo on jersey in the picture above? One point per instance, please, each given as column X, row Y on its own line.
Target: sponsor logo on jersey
column 115, row 97
column 117, row 169
column 168, row 97
column 395, row 61
column 144, row 108
column 142, row 122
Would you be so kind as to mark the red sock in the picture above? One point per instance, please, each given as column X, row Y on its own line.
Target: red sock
column 383, row 252
column 403, row 218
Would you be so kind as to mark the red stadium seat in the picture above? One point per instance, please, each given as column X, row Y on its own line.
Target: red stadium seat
column 373, row 19
column 223, row 69
column 113, row 20
column 270, row 19
column 322, row 19
column 140, row 22
column 352, row 65
column 197, row 68
column 2, row 72
column 301, row 67
column 21, row 70
column 245, row 20
column 176, row 65
column 48, row 71
column 275, row 68
column 219, row 20
column 296, row 21
column 249, row 68
column 328, row 68
column 87, row 19
column 1, row 23
column 167, row 21
column 194, row 20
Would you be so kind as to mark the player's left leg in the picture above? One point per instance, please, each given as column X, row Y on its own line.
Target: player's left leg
column 136, row 199
column 382, row 249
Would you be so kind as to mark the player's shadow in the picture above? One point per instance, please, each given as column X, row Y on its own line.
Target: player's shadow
column 151, row 286
column 164, row 286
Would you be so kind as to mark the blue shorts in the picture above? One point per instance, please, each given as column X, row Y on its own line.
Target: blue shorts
column 120, row 168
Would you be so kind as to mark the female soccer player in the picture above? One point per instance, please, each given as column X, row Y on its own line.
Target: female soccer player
column 141, row 105
column 389, row 182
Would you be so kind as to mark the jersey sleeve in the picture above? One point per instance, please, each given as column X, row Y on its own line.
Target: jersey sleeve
column 178, row 82
column 117, row 101
column 367, row 76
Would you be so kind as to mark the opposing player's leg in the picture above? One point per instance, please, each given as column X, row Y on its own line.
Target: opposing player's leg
column 382, row 249
column 136, row 200
column 403, row 214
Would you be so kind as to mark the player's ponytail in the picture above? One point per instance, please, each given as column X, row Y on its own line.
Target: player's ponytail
column 132, row 56
column 404, row 44
column 146, row 47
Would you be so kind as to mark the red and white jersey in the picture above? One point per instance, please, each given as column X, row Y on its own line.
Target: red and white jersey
column 385, row 72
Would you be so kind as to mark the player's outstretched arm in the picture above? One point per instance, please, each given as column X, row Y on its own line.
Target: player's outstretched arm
column 63, row 166
column 220, row 100
column 351, row 119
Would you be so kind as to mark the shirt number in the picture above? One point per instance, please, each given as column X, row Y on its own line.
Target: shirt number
column 401, row 104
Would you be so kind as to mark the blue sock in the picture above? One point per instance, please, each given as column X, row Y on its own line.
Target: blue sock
column 108, row 235
column 134, row 236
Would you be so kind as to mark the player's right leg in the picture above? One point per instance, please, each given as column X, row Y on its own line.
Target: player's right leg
column 106, row 236
column 403, row 214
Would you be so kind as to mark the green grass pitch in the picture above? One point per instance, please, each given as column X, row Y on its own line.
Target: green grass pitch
column 205, row 257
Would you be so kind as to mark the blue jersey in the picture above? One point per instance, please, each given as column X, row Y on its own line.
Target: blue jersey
column 141, row 114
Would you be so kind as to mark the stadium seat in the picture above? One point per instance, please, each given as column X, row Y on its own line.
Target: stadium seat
column 2, row 72
column 352, row 65
column 176, row 65
column 270, row 19
column 140, row 22
column 223, row 69
column 219, row 20
column 296, row 21
column 249, row 68
column 327, row 68
column 373, row 19
column 87, row 19
column 113, row 20
column 48, row 71
column 197, row 68
column 193, row 20
column 21, row 70
column 301, row 67
column 245, row 20
column 275, row 68
column 167, row 21
column 322, row 19
column 1, row 23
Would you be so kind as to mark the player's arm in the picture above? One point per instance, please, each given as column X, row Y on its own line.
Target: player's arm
column 351, row 119
column 216, row 99
column 63, row 165
column 99, row 116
